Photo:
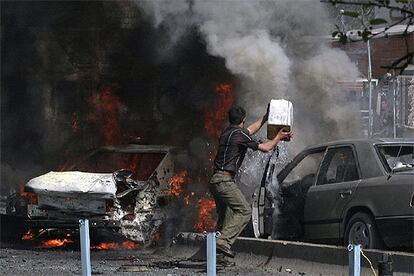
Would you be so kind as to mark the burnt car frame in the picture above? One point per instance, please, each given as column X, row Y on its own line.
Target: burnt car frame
column 133, row 204
column 351, row 191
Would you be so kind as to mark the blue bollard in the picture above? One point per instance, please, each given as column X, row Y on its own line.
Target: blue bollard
column 211, row 254
column 354, row 259
column 85, row 247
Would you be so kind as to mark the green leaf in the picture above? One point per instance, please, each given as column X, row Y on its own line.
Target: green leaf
column 343, row 38
column 365, row 35
column 351, row 13
column 378, row 21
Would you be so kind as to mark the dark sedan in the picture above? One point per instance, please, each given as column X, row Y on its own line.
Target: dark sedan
column 353, row 191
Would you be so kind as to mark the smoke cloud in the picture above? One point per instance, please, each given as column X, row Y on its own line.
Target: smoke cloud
column 277, row 49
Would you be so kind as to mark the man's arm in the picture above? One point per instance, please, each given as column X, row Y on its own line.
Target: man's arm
column 253, row 128
column 271, row 144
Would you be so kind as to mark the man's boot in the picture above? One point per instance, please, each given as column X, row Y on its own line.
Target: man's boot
column 225, row 250
column 224, row 262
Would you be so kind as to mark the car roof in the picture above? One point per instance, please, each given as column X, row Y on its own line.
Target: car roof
column 371, row 141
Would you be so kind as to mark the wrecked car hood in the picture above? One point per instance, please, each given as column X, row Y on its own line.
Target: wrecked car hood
column 102, row 184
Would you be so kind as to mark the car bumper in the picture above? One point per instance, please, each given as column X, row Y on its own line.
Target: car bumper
column 396, row 231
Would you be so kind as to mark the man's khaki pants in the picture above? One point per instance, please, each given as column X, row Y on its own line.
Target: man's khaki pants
column 232, row 208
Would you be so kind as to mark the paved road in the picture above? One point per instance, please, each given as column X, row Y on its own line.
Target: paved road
column 254, row 257
column 39, row 261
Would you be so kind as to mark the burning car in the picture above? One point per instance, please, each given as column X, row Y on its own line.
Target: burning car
column 355, row 191
column 122, row 189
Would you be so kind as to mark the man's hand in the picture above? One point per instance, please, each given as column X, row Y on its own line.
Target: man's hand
column 270, row 145
column 284, row 134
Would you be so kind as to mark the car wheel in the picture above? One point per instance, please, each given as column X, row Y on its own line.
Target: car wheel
column 362, row 230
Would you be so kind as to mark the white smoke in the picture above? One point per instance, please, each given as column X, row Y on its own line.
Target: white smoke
column 277, row 50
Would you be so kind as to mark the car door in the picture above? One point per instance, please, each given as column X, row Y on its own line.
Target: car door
column 337, row 179
column 278, row 215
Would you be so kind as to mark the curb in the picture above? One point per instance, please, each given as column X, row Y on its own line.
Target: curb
column 306, row 252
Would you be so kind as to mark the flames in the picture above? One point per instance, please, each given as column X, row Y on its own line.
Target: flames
column 177, row 183
column 130, row 245
column 55, row 243
column 205, row 220
column 61, row 242
column 105, row 246
column 214, row 123
column 28, row 236
column 105, row 109
column 215, row 119
column 30, row 197
column 127, row 244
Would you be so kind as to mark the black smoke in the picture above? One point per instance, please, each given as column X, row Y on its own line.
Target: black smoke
column 56, row 55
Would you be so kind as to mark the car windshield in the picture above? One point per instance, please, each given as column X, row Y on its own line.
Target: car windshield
column 397, row 157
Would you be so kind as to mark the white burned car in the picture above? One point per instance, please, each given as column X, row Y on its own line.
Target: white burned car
column 121, row 189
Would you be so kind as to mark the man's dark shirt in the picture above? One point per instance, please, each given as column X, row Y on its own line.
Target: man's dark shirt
column 233, row 145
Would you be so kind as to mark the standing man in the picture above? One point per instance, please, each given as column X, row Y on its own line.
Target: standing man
column 232, row 208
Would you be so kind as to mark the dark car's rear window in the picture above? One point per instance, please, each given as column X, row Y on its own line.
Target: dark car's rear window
column 399, row 156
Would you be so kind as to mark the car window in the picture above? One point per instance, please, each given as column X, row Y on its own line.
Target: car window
column 305, row 169
column 338, row 166
column 397, row 156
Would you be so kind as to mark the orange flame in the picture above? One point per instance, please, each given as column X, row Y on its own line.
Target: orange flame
column 177, row 183
column 31, row 197
column 105, row 108
column 130, row 245
column 205, row 220
column 115, row 246
column 56, row 243
column 28, row 236
column 105, row 246
column 216, row 119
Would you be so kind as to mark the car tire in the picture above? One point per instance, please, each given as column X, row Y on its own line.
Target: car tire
column 361, row 229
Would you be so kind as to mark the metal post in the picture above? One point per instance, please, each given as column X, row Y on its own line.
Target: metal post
column 354, row 259
column 394, row 107
column 85, row 247
column 385, row 266
column 370, row 113
column 211, row 254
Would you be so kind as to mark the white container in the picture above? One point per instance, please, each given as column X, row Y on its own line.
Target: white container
column 280, row 116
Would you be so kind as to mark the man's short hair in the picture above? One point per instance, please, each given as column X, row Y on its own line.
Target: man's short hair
column 236, row 115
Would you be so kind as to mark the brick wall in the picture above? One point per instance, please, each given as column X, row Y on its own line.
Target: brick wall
column 384, row 51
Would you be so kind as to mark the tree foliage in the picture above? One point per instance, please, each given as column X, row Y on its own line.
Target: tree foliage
column 362, row 12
